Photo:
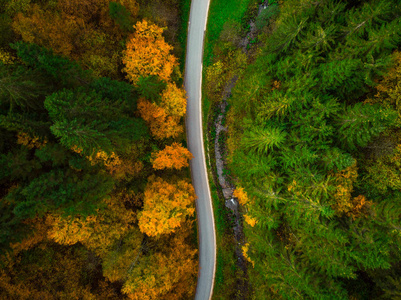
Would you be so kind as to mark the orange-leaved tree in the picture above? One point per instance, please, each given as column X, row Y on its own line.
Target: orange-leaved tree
column 174, row 156
column 148, row 54
column 166, row 205
column 160, row 123
column 79, row 29
column 169, row 274
column 98, row 232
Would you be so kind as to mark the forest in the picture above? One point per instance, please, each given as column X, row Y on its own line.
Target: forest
column 95, row 194
column 314, row 147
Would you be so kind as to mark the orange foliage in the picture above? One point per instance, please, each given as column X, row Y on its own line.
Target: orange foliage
column 166, row 206
column 24, row 139
column 79, row 29
column 344, row 186
column 345, row 203
column 242, row 196
column 250, row 221
column 174, row 156
column 38, row 235
column 118, row 167
column 118, row 261
column 148, row 54
column 168, row 275
column 94, row 232
column 245, row 249
column 6, row 57
column 48, row 29
column 109, row 160
column 161, row 125
column 56, row 277
column 174, row 100
column 126, row 168
column 359, row 206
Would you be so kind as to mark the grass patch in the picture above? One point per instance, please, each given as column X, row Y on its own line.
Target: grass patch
column 220, row 12
column 226, row 267
column 183, row 32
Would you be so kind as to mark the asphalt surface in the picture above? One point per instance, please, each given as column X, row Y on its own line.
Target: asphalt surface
column 204, row 210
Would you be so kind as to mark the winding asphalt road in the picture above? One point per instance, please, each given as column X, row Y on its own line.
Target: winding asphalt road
column 204, row 210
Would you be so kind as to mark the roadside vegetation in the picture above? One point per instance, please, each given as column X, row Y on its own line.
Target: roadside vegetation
column 96, row 200
column 314, row 143
column 223, row 58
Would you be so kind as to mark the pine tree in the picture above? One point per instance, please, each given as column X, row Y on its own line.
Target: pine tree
column 20, row 88
column 360, row 123
column 264, row 140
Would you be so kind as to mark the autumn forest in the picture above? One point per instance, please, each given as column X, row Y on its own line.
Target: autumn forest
column 96, row 199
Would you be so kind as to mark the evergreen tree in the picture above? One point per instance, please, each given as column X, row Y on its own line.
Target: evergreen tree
column 360, row 123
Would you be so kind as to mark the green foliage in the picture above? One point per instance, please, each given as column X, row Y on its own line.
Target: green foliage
column 121, row 16
column 92, row 123
column 7, row 35
column 21, row 87
column 67, row 191
column 222, row 11
column 115, row 90
column 263, row 140
column 306, row 126
column 63, row 72
column 360, row 123
column 151, row 88
column 32, row 123
column 267, row 15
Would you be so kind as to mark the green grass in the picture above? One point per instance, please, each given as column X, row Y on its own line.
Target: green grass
column 182, row 34
column 225, row 257
column 220, row 12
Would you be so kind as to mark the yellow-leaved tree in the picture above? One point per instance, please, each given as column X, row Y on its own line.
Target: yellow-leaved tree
column 174, row 100
column 98, row 232
column 169, row 273
column 148, row 54
column 79, row 29
column 166, row 205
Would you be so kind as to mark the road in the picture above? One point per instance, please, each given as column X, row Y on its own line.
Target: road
column 204, row 210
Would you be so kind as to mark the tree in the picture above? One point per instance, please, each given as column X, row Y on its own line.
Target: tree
column 174, row 100
column 263, row 140
column 166, row 206
column 65, row 190
column 47, row 29
column 59, row 70
column 122, row 256
column 76, row 116
column 360, row 123
column 120, row 15
column 20, row 87
column 46, row 273
column 99, row 233
column 148, row 54
column 116, row 91
column 174, row 156
column 168, row 274
column 161, row 124
column 388, row 89
column 150, row 88
column 81, row 30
